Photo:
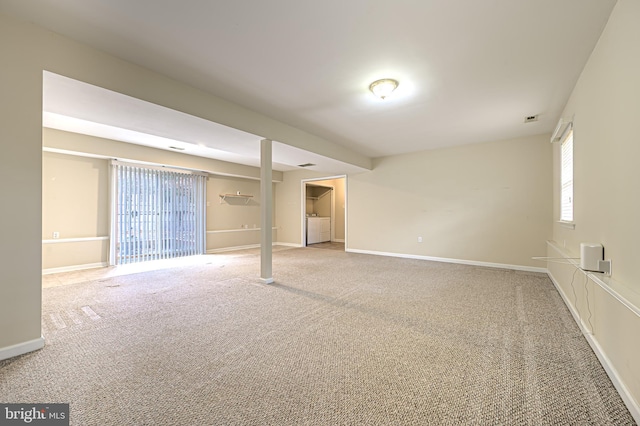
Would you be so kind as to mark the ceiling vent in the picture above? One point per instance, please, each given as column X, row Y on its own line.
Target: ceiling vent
column 531, row 118
column 306, row 165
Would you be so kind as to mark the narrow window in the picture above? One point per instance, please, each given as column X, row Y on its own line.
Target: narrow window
column 566, row 178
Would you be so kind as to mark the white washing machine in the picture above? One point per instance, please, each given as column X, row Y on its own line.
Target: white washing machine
column 318, row 229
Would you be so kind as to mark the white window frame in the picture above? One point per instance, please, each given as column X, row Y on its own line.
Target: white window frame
column 567, row 202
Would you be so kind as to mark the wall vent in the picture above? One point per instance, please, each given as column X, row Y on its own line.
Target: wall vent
column 306, row 165
column 531, row 118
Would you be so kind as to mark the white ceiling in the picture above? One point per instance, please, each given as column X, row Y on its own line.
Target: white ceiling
column 469, row 70
column 79, row 107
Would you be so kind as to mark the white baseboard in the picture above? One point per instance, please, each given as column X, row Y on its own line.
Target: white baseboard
column 338, row 240
column 449, row 260
column 21, row 348
column 74, row 240
column 632, row 405
column 224, row 249
column 288, row 244
column 249, row 246
column 74, row 268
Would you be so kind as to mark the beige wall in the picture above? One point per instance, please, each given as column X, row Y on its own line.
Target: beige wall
column 606, row 102
column 232, row 213
column 323, row 205
column 76, row 198
column 238, row 218
column 20, row 186
column 75, row 203
column 289, row 206
column 70, row 255
column 488, row 202
column 107, row 148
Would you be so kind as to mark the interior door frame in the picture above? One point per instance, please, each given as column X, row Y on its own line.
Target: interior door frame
column 303, row 207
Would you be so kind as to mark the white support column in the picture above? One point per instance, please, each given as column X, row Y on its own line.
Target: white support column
column 266, row 212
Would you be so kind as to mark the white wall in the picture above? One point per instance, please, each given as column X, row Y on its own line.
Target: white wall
column 606, row 102
column 488, row 202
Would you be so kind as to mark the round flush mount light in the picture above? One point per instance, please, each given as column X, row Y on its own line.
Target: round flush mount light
column 384, row 87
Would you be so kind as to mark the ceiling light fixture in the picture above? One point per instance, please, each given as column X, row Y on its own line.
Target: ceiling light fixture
column 383, row 88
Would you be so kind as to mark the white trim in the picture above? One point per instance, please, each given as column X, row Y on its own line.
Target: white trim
column 565, row 224
column 449, row 260
column 564, row 124
column 113, row 215
column 632, row 405
column 303, row 206
column 222, row 231
column 614, row 288
column 75, row 153
column 288, row 244
column 160, row 167
column 74, row 240
column 74, row 268
column 248, row 246
column 338, row 240
column 608, row 285
column 21, row 348
column 223, row 249
column 211, row 173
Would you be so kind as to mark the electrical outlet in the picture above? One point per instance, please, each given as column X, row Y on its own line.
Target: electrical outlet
column 56, row 235
column 419, row 239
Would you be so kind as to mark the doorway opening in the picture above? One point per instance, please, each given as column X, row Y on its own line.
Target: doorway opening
column 324, row 211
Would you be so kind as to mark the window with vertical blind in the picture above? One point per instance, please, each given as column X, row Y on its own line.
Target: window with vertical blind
column 156, row 213
column 566, row 178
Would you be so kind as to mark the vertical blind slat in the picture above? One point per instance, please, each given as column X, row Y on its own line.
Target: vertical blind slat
column 127, row 212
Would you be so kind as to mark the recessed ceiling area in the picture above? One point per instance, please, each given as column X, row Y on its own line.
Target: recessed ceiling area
column 468, row 71
column 79, row 107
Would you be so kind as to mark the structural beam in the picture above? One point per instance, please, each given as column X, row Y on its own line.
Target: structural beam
column 266, row 211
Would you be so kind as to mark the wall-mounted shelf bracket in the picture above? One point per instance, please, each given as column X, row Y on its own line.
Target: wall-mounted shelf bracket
column 245, row 196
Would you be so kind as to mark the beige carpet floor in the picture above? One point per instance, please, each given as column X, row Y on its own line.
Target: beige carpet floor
column 339, row 339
